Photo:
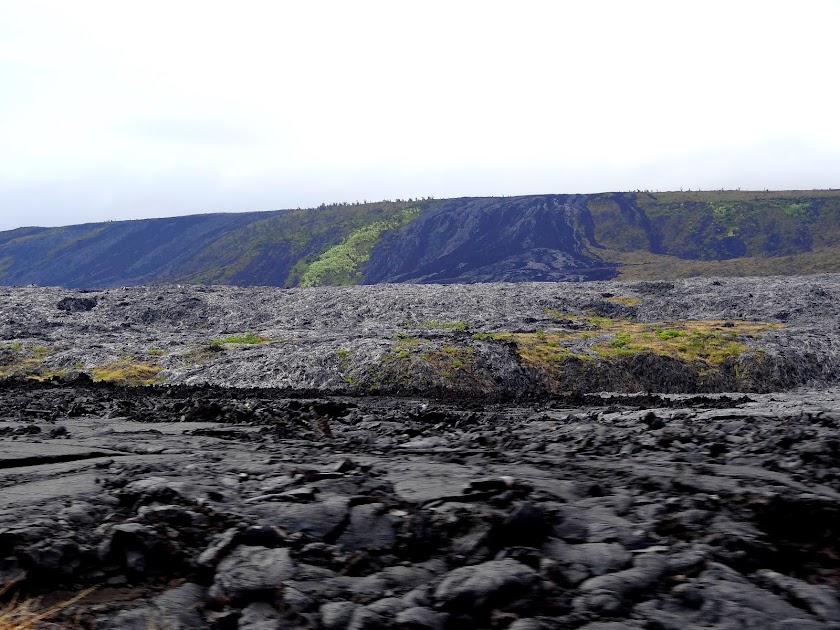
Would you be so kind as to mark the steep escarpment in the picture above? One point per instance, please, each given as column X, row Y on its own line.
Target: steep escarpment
column 532, row 238
column 483, row 339
column 536, row 238
column 111, row 254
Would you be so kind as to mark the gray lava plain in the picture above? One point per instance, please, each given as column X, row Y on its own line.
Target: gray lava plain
column 518, row 456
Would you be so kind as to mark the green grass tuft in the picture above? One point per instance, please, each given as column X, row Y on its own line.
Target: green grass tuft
column 244, row 338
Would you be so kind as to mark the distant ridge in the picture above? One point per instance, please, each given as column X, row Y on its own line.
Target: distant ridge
column 629, row 235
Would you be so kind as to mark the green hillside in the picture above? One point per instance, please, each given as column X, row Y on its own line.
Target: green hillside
column 324, row 245
column 700, row 233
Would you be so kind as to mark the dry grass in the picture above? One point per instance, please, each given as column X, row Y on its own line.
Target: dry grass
column 27, row 614
column 127, row 371
column 624, row 300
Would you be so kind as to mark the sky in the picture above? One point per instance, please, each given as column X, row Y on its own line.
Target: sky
column 126, row 110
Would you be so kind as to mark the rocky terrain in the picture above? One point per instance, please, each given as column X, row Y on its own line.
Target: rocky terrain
column 482, row 456
column 209, row 507
column 505, row 340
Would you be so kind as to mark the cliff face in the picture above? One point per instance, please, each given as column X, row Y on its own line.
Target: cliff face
column 537, row 238
column 511, row 239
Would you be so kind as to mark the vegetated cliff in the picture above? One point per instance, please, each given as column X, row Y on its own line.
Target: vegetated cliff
column 512, row 239
column 699, row 335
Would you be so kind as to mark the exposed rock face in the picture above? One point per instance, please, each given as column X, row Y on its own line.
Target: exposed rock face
column 540, row 238
column 495, row 339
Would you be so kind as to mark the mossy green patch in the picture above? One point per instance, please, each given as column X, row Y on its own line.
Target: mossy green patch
column 249, row 338
column 456, row 325
column 342, row 263
column 624, row 300
column 710, row 341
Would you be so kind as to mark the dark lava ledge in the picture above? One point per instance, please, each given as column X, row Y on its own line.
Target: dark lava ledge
column 210, row 506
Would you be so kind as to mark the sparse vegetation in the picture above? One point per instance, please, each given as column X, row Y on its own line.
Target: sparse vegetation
column 449, row 359
column 624, row 300
column 708, row 341
column 28, row 363
column 27, row 613
column 249, row 338
column 403, row 344
column 343, row 355
column 557, row 314
column 127, row 371
column 341, row 264
column 728, row 233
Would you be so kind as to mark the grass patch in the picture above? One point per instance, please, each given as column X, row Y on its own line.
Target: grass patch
column 544, row 349
column 27, row 363
column 558, row 314
column 127, row 371
column 624, row 300
column 243, row 338
column 486, row 336
column 156, row 352
column 667, row 333
column 711, row 341
column 343, row 355
column 448, row 360
column 403, row 345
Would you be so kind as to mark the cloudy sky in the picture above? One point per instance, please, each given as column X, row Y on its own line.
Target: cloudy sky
column 120, row 110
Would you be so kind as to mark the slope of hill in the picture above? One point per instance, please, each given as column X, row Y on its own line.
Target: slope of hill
column 529, row 238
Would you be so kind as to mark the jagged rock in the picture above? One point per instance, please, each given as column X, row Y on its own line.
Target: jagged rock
column 76, row 305
column 370, row 527
column 319, row 519
column 176, row 609
column 251, row 572
column 490, row 583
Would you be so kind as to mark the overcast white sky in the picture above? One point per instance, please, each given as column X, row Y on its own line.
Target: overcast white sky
column 118, row 110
